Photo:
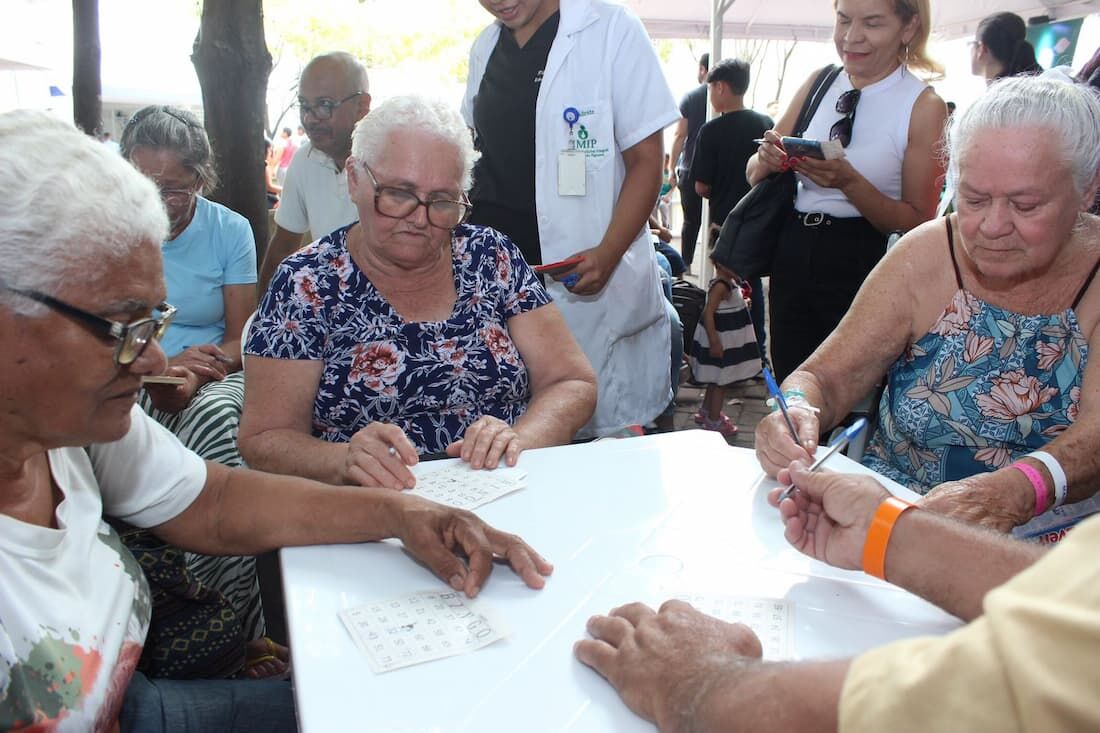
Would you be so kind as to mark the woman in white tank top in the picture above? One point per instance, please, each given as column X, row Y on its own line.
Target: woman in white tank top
column 890, row 123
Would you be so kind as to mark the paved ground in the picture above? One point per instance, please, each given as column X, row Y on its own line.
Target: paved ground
column 744, row 405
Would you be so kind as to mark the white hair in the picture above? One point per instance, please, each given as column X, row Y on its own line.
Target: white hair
column 414, row 112
column 1070, row 111
column 69, row 207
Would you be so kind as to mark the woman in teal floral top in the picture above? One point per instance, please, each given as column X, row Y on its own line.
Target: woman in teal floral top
column 982, row 322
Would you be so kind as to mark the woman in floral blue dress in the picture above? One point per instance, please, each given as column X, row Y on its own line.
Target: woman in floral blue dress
column 983, row 323
column 408, row 332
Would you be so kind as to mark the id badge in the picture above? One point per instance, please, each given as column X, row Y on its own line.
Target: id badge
column 571, row 178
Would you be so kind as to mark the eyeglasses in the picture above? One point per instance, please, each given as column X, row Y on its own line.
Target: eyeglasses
column 132, row 337
column 397, row 203
column 324, row 108
column 842, row 128
column 177, row 196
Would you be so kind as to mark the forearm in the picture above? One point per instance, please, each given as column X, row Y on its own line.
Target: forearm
column 1075, row 450
column 245, row 512
column 635, row 203
column 232, row 349
column 556, row 413
column 884, row 213
column 288, row 451
column 755, row 171
column 953, row 564
column 767, row 696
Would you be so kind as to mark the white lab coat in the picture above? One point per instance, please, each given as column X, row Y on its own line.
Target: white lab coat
column 602, row 63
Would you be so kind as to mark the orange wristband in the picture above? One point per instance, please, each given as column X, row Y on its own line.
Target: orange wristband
column 878, row 535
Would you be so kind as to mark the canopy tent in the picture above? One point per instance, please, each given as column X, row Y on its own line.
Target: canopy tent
column 812, row 20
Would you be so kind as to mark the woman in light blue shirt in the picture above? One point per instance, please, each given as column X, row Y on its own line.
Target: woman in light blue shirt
column 209, row 256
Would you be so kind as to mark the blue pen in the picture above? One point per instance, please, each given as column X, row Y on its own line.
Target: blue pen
column 782, row 402
column 845, row 438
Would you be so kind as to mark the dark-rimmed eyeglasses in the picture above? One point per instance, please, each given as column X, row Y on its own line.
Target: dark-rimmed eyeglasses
column 397, row 203
column 132, row 337
column 842, row 128
column 323, row 109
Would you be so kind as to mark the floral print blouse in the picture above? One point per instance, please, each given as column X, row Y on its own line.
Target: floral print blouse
column 431, row 379
column 983, row 387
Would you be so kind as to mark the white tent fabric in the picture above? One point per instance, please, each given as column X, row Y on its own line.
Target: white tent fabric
column 809, row 20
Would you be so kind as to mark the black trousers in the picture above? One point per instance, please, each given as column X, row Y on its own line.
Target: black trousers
column 692, row 205
column 818, row 269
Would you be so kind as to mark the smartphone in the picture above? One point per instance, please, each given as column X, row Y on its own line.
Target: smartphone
column 552, row 267
column 798, row 147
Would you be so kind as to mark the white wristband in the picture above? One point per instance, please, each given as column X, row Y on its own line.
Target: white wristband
column 1056, row 474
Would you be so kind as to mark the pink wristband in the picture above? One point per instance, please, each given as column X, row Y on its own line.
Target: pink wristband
column 1042, row 494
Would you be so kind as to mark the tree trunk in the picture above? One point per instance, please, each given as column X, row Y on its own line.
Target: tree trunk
column 232, row 62
column 87, row 87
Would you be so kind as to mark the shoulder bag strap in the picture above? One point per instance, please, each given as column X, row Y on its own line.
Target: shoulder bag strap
column 821, row 85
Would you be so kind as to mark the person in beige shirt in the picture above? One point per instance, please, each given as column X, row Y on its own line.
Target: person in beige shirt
column 1027, row 659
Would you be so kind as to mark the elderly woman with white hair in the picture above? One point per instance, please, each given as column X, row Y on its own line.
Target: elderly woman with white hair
column 82, row 307
column 409, row 332
column 982, row 321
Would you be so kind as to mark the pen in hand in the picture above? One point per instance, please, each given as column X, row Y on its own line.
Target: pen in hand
column 777, row 395
column 845, row 438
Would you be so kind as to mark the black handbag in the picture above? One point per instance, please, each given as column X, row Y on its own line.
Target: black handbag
column 749, row 236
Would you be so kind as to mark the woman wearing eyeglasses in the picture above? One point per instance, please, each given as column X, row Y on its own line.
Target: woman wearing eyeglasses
column 889, row 123
column 209, row 260
column 209, row 256
column 408, row 332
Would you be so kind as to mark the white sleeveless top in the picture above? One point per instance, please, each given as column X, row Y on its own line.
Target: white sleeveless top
column 879, row 138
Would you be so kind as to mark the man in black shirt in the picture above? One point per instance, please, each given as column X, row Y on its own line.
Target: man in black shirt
column 722, row 151
column 693, row 113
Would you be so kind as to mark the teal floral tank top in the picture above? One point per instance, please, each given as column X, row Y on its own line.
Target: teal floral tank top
column 983, row 387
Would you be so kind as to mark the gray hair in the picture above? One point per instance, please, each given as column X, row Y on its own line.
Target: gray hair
column 355, row 73
column 1071, row 111
column 413, row 112
column 163, row 127
column 69, row 207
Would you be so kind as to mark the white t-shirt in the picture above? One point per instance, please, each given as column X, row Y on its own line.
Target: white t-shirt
column 315, row 196
column 74, row 608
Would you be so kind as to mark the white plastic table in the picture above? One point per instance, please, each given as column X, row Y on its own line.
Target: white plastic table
column 622, row 520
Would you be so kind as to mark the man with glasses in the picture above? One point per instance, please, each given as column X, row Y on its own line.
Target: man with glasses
column 332, row 96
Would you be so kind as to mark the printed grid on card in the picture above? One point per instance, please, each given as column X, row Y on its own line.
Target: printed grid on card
column 420, row 627
column 462, row 487
column 770, row 618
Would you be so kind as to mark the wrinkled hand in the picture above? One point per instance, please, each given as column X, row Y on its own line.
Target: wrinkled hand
column 205, row 360
column 172, row 398
column 827, row 518
column 837, row 173
column 485, row 442
column 592, row 272
column 370, row 462
column 663, row 663
column 776, row 449
column 981, row 501
column 438, row 535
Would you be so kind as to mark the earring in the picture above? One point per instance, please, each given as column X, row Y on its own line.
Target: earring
column 907, row 54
